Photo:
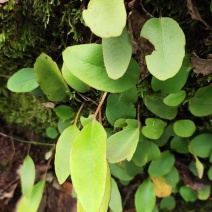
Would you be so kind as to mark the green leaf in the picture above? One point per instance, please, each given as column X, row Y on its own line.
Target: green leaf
column 145, row 152
column 169, row 42
column 64, row 112
column 202, row 145
column 172, row 178
column 117, row 52
column 63, row 124
column 175, row 99
column 210, row 173
column 22, row 81
column 199, row 167
column 162, row 140
column 73, row 81
column 88, row 156
column 201, row 103
column 145, row 198
column 105, row 18
column 179, row 144
column 162, row 166
column 154, row 128
column 115, row 203
column 27, row 176
column 204, row 193
column 51, row 132
column 85, row 121
column 131, row 168
column 62, row 155
column 160, row 109
column 175, row 83
column 130, row 95
column 184, row 128
column 188, row 194
column 107, row 193
column 168, row 203
column 117, row 109
column 122, row 145
column 86, row 63
column 50, row 78
column 31, row 204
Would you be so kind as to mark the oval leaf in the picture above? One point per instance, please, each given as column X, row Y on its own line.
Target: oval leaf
column 122, row 145
column 88, row 156
column 62, row 155
column 105, row 18
column 50, row 78
column 188, row 194
column 27, row 176
column 175, row 99
column 64, row 112
column 169, row 41
column 117, row 54
column 184, row 128
column 22, row 81
column 86, row 63
column 145, row 198
column 162, row 166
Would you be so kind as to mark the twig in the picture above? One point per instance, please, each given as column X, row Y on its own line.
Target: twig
column 78, row 113
column 100, row 105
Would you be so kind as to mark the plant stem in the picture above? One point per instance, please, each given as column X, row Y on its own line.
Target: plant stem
column 100, row 105
column 24, row 141
column 78, row 113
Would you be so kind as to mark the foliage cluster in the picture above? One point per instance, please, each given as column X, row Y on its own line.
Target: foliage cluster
column 148, row 127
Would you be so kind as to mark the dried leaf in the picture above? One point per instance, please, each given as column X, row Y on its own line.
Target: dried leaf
column 201, row 66
column 195, row 13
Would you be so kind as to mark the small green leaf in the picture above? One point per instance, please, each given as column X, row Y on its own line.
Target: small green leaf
column 51, row 132
column 130, row 95
column 160, row 109
column 27, row 176
column 73, row 81
column 22, row 81
column 117, row 109
column 184, row 128
column 122, row 145
column 117, row 52
column 168, row 203
column 210, row 173
column 62, row 155
column 162, row 166
column 162, row 140
column 169, row 42
column 145, row 152
column 175, row 83
column 188, row 194
column 64, row 112
column 200, row 168
column 115, row 203
column 204, row 193
column 154, row 128
column 201, row 103
column 145, row 198
column 172, row 178
column 105, row 18
column 50, row 78
column 179, row 144
column 85, row 121
column 202, row 145
column 131, row 168
column 88, row 156
column 175, row 99
column 31, row 204
column 86, row 63
column 63, row 124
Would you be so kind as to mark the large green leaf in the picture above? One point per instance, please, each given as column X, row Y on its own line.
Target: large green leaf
column 169, row 42
column 116, row 108
column 145, row 152
column 202, row 145
column 115, row 203
column 22, row 81
column 62, row 155
column 32, row 203
column 117, row 54
column 50, row 78
column 88, row 165
column 145, row 198
column 73, row 81
column 201, row 103
column 162, row 166
column 160, row 109
column 122, row 145
column 27, row 176
column 154, row 128
column 175, row 83
column 106, row 18
column 86, row 63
